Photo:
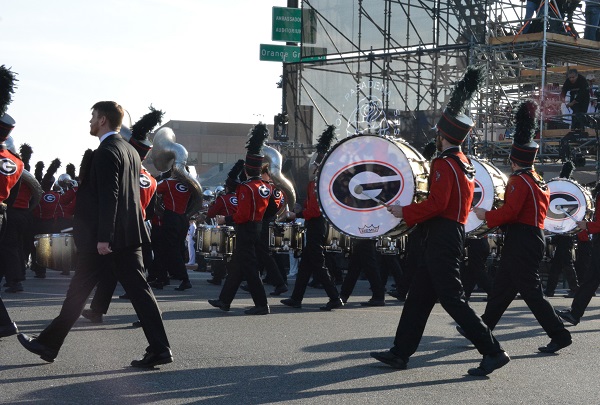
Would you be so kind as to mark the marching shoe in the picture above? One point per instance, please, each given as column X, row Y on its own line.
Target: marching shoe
column 8, row 330
column 373, row 303
column 93, row 316
column 490, row 363
column 40, row 275
column 244, row 287
column 567, row 315
column 332, row 304
column 185, row 285
column 213, row 281
column 157, row 284
column 258, row 310
column 14, row 288
column 31, row 343
column 344, row 298
column 219, row 304
column 153, row 359
column 279, row 290
column 390, row 359
column 290, row 302
column 555, row 346
column 137, row 324
column 397, row 295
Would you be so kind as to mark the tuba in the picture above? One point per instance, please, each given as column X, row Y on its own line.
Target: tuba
column 274, row 158
column 167, row 155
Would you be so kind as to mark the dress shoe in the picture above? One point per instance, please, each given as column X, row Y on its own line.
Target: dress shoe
column 8, row 330
column 185, row 285
column 390, row 359
column 153, row 359
column 290, row 302
column 157, row 284
column 244, row 287
column 344, row 298
column 40, row 275
column 280, row 290
column 124, row 296
column 31, row 343
column 219, row 304
column 490, row 363
column 373, row 303
column 93, row 316
column 397, row 295
column 567, row 315
column 258, row 310
column 554, row 346
column 14, row 288
column 332, row 304
column 213, row 281
column 137, row 324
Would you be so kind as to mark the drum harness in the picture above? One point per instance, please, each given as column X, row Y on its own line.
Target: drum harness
column 528, row 171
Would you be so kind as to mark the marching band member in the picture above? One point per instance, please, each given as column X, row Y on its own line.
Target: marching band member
column 526, row 201
column 253, row 198
column 443, row 216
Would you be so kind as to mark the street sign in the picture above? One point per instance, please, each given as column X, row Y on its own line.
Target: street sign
column 287, row 24
column 280, row 53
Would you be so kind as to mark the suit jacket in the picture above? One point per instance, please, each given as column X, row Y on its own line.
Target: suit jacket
column 108, row 207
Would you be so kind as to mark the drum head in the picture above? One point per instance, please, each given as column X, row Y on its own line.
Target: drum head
column 489, row 181
column 382, row 167
column 566, row 195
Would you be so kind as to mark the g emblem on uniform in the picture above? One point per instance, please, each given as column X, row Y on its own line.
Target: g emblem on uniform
column 233, row 200
column 277, row 193
column 181, row 187
column 50, row 198
column 264, row 191
column 7, row 167
column 145, row 181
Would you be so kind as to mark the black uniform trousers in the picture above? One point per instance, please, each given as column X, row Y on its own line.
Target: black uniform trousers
column 410, row 263
column 518, row 273
column 474, row 271
column 12, row 263
column 173, row 234
column 583, row 259
column 438, row 277
column 312, row 261
column 244, row 265
column 128, row 269
column 590, row 282
column 4, row 317
column 264, row 257
column 389, row 264
column 363, row 257
column 157, row 267
column 562, row 262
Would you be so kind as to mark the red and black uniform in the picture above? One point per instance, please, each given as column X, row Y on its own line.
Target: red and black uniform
column 11, row 168
column 225, row 205
column 312, row 259
column 265, row 258
column 66, row 208
column 526, row 201
column 175, row 196
column 253, row 198
column 441, row 220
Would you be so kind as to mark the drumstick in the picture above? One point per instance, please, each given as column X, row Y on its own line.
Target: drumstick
column 359, row 190
column 560, row 208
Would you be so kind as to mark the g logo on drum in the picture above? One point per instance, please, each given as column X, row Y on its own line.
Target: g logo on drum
column 377, row 179
column 478, row 194
column 567, row 202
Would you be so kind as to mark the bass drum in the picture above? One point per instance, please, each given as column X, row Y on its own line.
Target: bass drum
column 490, row 183
column 569, row 202
column 387, row 169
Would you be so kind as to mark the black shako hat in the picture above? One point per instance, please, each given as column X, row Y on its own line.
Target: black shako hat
column 454, row 125
column 7, row 84
column 254, row 157
column 524, row 150
column 232, row 180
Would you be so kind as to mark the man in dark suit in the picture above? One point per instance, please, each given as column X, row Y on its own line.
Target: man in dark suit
column 108, row 232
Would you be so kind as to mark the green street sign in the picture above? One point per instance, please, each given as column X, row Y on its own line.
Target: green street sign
column 287, row 24
column 280, row 53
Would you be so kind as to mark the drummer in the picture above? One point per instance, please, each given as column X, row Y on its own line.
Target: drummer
column 526, row 202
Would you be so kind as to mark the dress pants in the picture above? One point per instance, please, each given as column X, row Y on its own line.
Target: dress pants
column 389, row 264
column 475, row 271
column 439, row 278
column 12, row 263
column 562, row 262
column 312, row 261
column 589, row 284
column 265, row 259
column 518, row 273
column 244, row 265
column 174, row 231
column 583, row 259
column 411, row 262
column 128, row 268
column 363, row 258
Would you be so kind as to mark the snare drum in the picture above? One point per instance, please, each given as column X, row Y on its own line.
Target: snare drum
column 490, row 183
column 336, row 241
column 569, row 202
column 285, row 236
column 63, row 252
column 387, row 169
column 215, row 242
column 43, row 250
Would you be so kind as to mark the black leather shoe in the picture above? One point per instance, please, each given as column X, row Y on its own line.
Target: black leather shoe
column 290, row 302
column 344, row 299
column 14, row 288
column 554, row 346
column 185, row 285
column 137, row 324
column 373, row 303
column 124, row 296
column 567, row 315
column 40, row 275
column 31, row 343
column 490, row 363
column 332, row 304
column 280, row 290
column 93, row 316
column 258, row 310
column 153, row 359
column 213, row 281
column 8, row 330
column 156, row 284
column 390, row 359
column 219, row 304
column 397, row 295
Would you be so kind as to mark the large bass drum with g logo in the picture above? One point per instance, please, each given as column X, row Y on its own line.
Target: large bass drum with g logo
column 569, row 202
column 387, row 169
column 490, row 183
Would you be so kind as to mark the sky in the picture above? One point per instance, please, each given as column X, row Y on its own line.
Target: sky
column 196, row 60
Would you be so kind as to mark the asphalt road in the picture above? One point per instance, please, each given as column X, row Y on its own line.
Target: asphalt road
column 290, row 356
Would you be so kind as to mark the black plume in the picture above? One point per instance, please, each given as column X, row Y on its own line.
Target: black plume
column 526, row 122
column 567, row 170
column 465, row 88
column 235, row 171
column 140, row 129
column 258, row 136
column 429, row 150
column 26, row 152
column 39, row 171
column 48, row 179
column 7, row 84
column 86, row 164
column 71, row 170
column 326, row 139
